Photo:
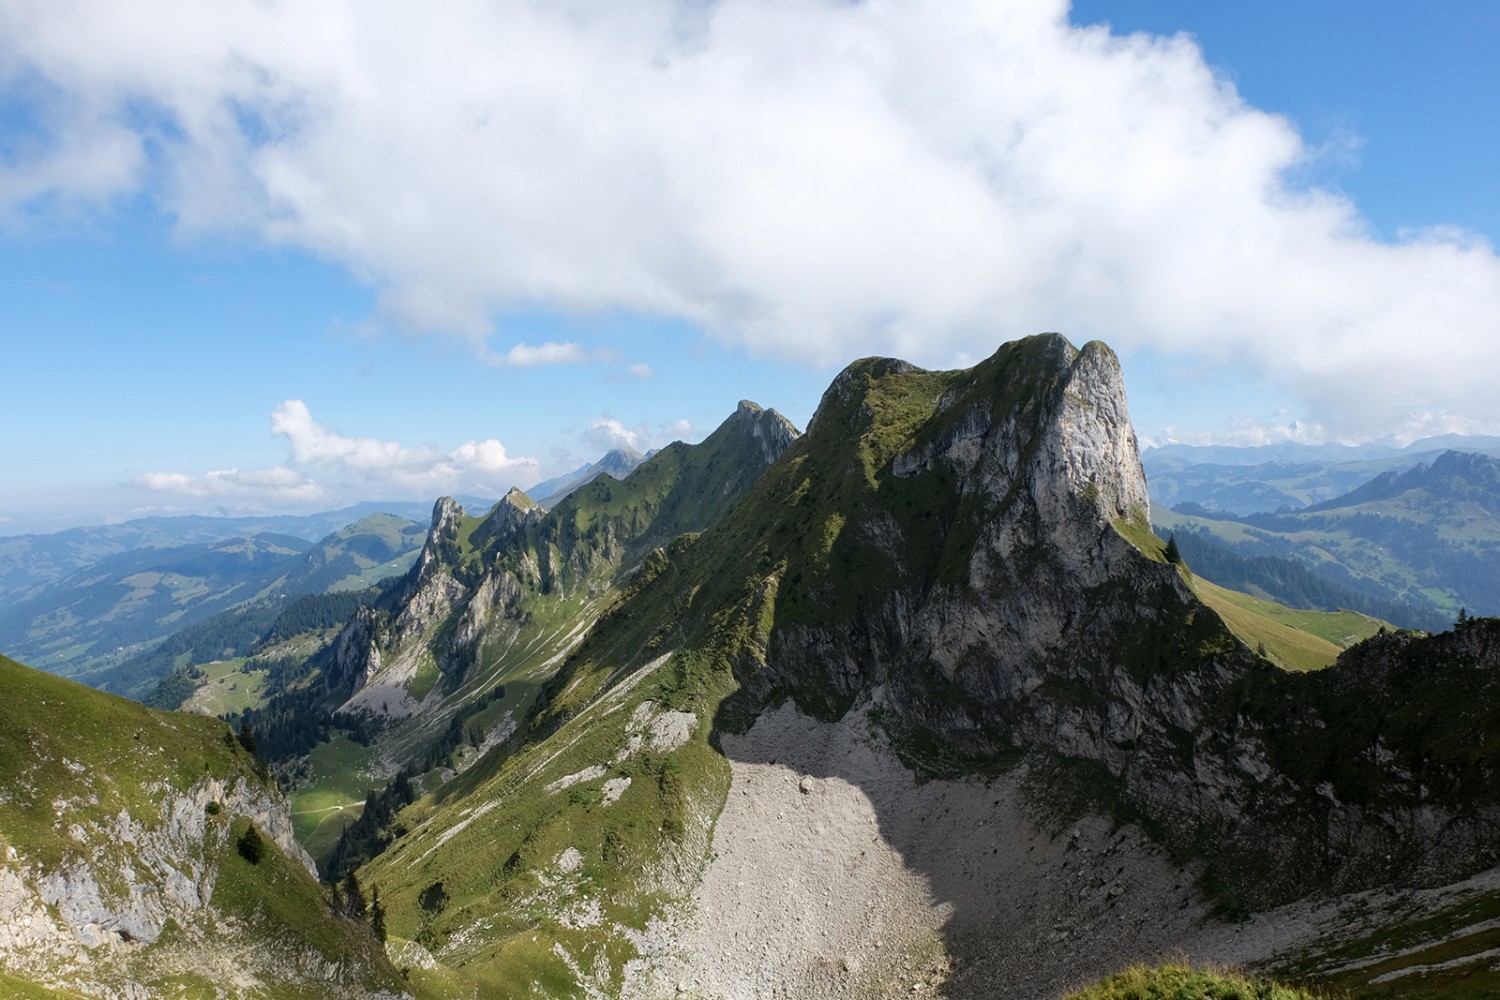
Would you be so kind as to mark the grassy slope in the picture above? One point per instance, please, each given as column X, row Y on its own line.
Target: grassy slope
column 1449, row 954
column 1293, row 639
column 19, row 989
column 226, row 689
column 1179, row 982
column 50, row 728
column 583, row 542
column 62, row 742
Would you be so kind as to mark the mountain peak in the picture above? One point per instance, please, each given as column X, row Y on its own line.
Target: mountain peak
column 774, row 432
column 517, row 498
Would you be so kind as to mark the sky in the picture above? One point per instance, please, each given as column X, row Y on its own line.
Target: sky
column 261, row 256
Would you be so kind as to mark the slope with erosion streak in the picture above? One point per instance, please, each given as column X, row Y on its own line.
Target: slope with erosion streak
column 495, row 603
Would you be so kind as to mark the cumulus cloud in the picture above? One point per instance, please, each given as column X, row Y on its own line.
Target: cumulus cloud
column 354, row 468
column 812, row 180
column 607, row 433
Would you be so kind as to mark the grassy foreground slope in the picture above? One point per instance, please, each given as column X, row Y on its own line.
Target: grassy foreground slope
column 142, row 850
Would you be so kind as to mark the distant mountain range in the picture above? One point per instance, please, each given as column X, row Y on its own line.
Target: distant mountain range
column 31, row 562
column 1415, row 545
column 92, row 602
column 103, row 613
column 1284, row 476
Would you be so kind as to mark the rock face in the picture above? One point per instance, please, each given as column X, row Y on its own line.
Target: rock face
column 980, row 569
column 169, row 862
column 773, row 432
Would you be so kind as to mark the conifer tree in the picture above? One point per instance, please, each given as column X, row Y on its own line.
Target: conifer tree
column 377, row 914
column 354, row 896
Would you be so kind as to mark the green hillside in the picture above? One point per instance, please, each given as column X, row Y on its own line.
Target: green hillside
column 1291, row 638
column 147, row 816
column 1180, row 982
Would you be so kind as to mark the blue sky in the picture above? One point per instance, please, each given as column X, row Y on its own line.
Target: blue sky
column 284, row 259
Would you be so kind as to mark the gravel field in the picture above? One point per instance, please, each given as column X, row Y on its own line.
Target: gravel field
column 836, row 873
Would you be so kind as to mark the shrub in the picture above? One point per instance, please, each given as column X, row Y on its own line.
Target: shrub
column 250, row 845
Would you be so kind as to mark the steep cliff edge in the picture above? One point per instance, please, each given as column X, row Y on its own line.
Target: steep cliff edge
column 123, row 865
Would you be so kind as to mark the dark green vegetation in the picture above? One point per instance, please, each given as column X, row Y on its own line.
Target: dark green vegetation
column 255, row 633
column 1180, row 982
column 106, row 623
column 1418, row 545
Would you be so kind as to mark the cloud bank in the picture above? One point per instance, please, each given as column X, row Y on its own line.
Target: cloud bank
column 325, row 464
column 815, row 180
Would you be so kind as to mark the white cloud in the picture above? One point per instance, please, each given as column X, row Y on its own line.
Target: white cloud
column 355, row 468
column 274, row 485
column 814, row 180
column 526, row 356
column 607, row 433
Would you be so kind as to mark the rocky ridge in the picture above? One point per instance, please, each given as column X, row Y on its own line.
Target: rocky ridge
column 479, row 580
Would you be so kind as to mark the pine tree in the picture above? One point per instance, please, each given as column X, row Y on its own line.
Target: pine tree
column 1173, row 556
column 354, row 896
column 377, row 914
column 247, row 738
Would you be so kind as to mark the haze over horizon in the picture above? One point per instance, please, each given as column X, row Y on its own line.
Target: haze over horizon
column 278, row 258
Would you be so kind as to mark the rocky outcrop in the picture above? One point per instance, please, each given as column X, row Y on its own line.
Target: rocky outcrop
column 773, row 432
column 130, row 876
column 475, row 583
column 93, row 921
